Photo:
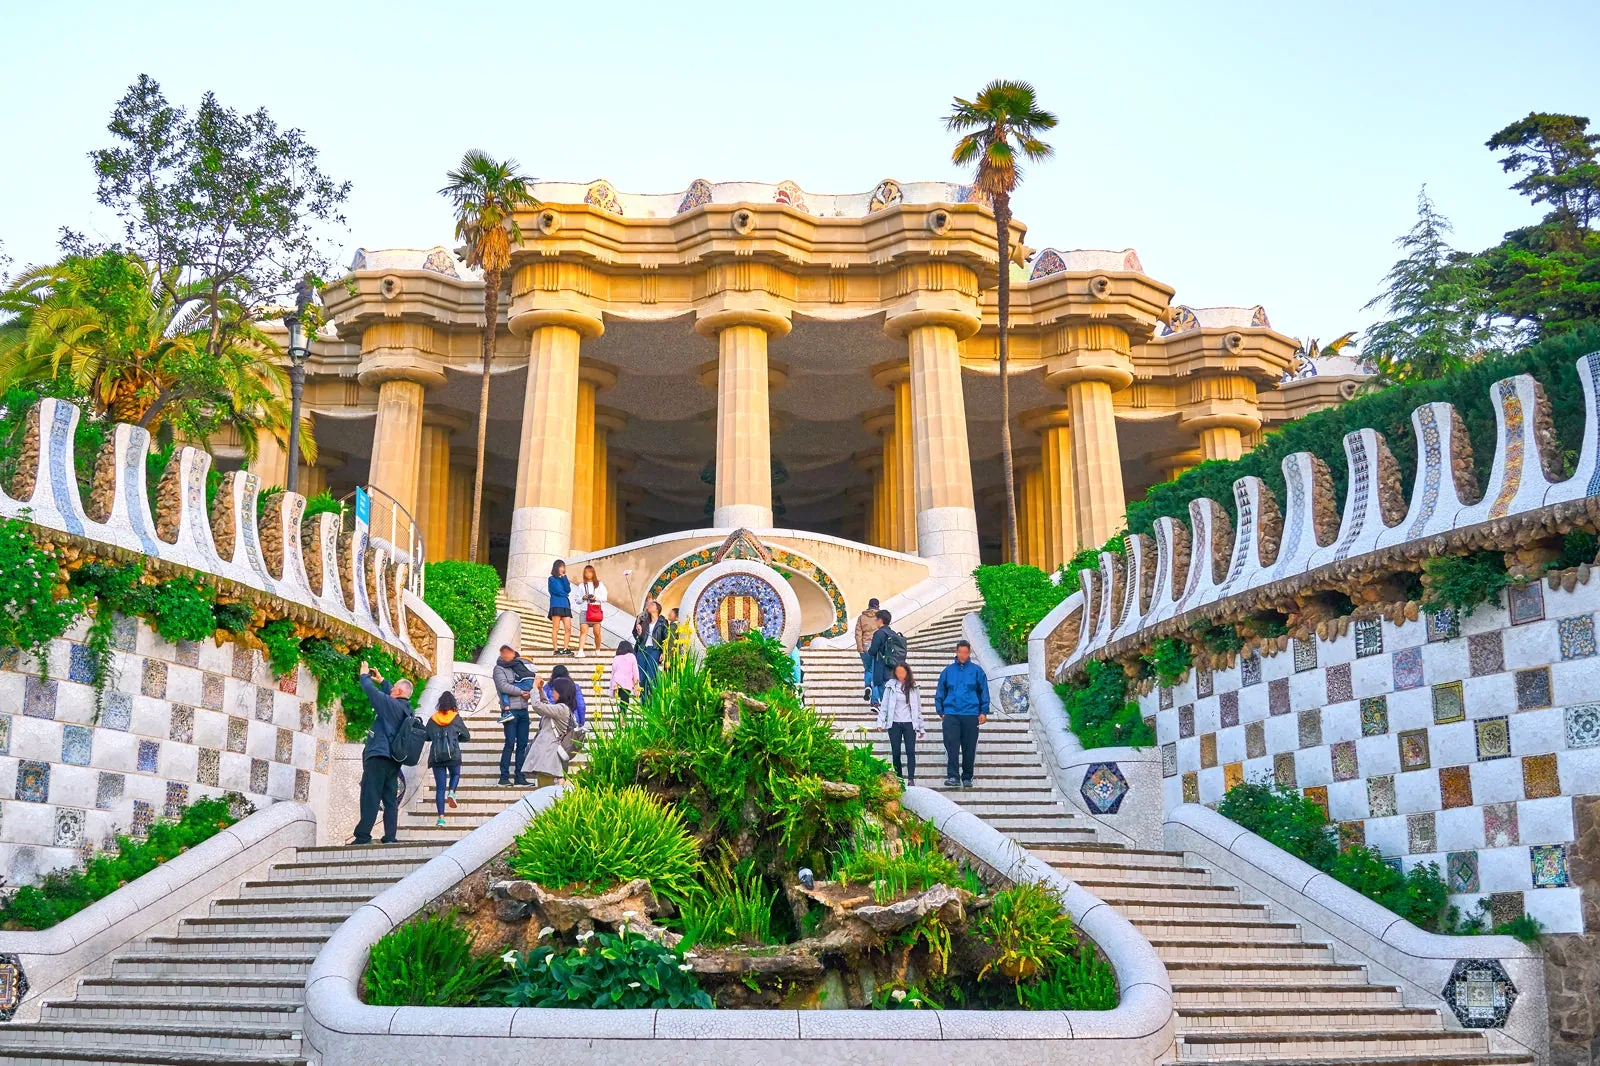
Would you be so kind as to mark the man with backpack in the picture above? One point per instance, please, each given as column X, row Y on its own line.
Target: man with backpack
column 887, row 651
column 388, row 747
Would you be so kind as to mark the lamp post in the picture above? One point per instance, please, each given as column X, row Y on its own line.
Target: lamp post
column 298, row 354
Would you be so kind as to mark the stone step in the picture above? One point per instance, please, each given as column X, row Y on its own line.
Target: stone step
column 320, row 921
column 1239, row 950
column 374, row 865
column 1257, row 994
column 236, row 944
column 287, row 905
column 1118, row 891
column 355, row 885
column 1217, row 972
column 1219, row 931
column 1154, row 875
column 178, row 964
column 1305, row 1017
column 118, row 1037
column 59, row 1049
column 198, row 987
column 1112, row 854
column 1291, row 1044
column 340, row 852
column 1227, row 912
column 199, row 1012
column 1484, row 1058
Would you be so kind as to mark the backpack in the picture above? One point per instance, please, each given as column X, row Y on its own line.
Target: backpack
column 445, row 750
column 893, row 652
column 407, row 744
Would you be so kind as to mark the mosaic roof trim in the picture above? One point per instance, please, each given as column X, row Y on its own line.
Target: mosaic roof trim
column 436, row 260
column 1079, row 260
column 1186, row 318
column 885, row 194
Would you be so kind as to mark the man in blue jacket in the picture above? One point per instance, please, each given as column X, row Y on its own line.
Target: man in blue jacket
column 382, row 755
column 962, row 702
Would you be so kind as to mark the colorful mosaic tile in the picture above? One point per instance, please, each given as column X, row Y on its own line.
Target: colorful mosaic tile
column 290, row 682
column 1203, row 681
column 1500, row 825
column 1443, row 625
column 1255, row 740
column 320, row 763
column 1283, row 769
column 1318, row 794
column 1455, row 787
column 1485, row 653
column 302, row 786
column 69, row 827
column 1413, row 749
column 264, row 705
column 188, row 653
column 1541, row 778
column 1149, row 721
column 149, row 755
column 1583, row 725
column 1352, row 834
column 1103, row 787
column 1494, row 738
column 238, row 733
column 1527, row 602
column 5, row 734
column 117, row 712
column 1395, row 864
column 1369, row 637
column 1208, row 751
column 1305, row 654
column 207, row 766
column 1232, row 775
column 107, row 790
column 181, row 728
column 1345, row 764
column 144, row 814
column 177, row 799
column 258, row 776
column 1533, row 688
column 1479, row 991
column 308, row 716
column 1339, row 684
column 1191, row 787
column 1310, row 728
column 1577, row 636
column 244, row 662
column 1505, row 907
column 1165, row 697
column 1449, row 704
column 1461, row 871
column 80, row 665
column 1169, row 759
column 1549, row 863
column 1186, row 720
column 213, row 690
column 1249, row 670
column 153, row 680
column 283, row 750
column 1374, row 716
column 38, row 698
column 1278, row 695
column 1407, row 669
column 13, row 986
column 33, row 781
column 77, row 745
column 1421, row 836
column 1228, row 709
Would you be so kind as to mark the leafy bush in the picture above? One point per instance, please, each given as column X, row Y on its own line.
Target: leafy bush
column 753, row 664
column 1283, row 816
column 234, row 617
column 1464, row 582
column 594, row 839
column 1015, row 599
column 1552, row 362
column 1169, row 660
column 735, row 907
column 283, row 647
column 604, row 972
column 911, row 864
column 428, row 962
column 1083, row 981
column 322, row 503
column 33, row 610
column 336, row 673
column 1100, row 710
column 64, row 893
column 179, row 608
column 463, row 594
column 1028, row 932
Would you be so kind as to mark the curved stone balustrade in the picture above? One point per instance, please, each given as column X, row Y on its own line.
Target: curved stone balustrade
column 1162, row 585
column 264, row 547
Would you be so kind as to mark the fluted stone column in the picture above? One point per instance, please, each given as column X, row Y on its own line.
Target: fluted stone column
column 891, row 518
column 1057, row 499
column 870, row 462
column 946, row 519
column 1030, row 507
column 1221, row 410
column 433, row 492
column 1090, row 362
column 895, row 376
column 744, row 421
column 607, row 421
column 459, row 528
column 397, row 358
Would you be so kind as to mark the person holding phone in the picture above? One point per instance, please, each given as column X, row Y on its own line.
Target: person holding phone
column 590, row 595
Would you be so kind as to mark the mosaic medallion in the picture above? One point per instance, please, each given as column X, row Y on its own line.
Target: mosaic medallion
column 13, row 986
column 1421, row 833
column 1549, row 865
column 1191, row 787
column 1500, row 825
column 1480, row 993
column 1284, row 770
column 1443, row 625
column 1408, row 669
column 1203, row 679
column 1305, row 655
column 1380, row 797
column 1278, row 695
column 1449, row 704
column 1228, row 709
column 1369, row 637
column 1527, row 602
column 1414, row 749
column 1249, row 670
column 1485, row 653
column 1494, row 738
column 1577, row 636
column 1208, row 751
column 1340, row 686
column 1583, row 725
column 1345, row 765
column 1169, row 760
column 735, row 603
column 1186, row 721
column 1461, row 871
column 1374, row 716
column 468, row 691
column 1541, row 776
column 1455, row 787
column 1014, row 696
column 1103, row 788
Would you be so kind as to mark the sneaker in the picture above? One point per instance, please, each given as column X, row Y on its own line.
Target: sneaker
column 450, row 799
column 911, row 782
column 951, row 782
column 967, row 783
column 523, row 781
column 504, row 718
column 440, row 822
column 581, row 655
column 504, row 782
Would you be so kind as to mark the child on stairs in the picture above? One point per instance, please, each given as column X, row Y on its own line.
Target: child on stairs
column 445, row 732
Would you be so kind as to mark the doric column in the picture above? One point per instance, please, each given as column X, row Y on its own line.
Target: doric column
column 1221, row 409
column 607, row 420
column 619, row 463
column 1030, row 506
column 433, row 492
column 592, row 377
column 398, row 358
column 895, row 376
column 870, row 462
column 1090, row 361
column 892, row 509
column 744, row 418
column 459, row 529
column 1057, row 502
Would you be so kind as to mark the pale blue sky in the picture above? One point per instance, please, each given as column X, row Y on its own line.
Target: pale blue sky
column 1253, row 153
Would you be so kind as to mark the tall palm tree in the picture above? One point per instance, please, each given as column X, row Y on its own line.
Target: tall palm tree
column 486, row 194
column 999, row 127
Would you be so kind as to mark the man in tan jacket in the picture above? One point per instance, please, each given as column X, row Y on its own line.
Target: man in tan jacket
column 866, row 625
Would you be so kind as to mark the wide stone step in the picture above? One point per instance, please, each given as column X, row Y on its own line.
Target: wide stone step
column 1305, row 1017
column 117, row 1037
column 319, row 921
column 197, row 987
column 61, row 1049
column 1239, row 951
column 375, row 866
column 340, row 852
column 1136, row 911
column 288, row 905
column 1291, row 1044
column 1194, row 972
column 1484, row 1058
column 1155, row 875
column 263, row 1012
column 1219, row 931
column 1114, row 855
column 178, row 964
column 356, row 885
column 1117, row 891
column 1267, row 995
column 239, row 944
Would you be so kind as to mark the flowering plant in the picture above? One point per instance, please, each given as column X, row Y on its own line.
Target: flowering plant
column 621, row 971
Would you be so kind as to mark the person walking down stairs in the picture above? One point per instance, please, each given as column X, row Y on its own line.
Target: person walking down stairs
column 962, row 702
column 887, row 651
column 445, row 732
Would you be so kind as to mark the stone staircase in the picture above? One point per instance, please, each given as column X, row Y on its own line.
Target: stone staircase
column 1248, row 989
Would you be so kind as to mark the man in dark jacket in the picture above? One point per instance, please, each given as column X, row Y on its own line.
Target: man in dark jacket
column 887, row 651
column 513, row 679
column 382, row 754
column 962, row 702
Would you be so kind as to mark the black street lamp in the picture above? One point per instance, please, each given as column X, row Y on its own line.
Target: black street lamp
column 298, row 354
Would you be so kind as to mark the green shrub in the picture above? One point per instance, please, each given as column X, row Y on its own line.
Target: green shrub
column 593, row 839
column 1283, row 816
column 336, row 673
column 1100, row 711
column 62, row 894
column 1083, row 981
column 283, row 647
column 428, row 962
column 30, row 614
column 232, row 617
column 604, row 972
column 1027, row 931
column 753, row 664
column 1015, row 599
column 914, row 863
column 1464, row 582
column 1169, row 660
column 179, row 608
column 322, row 503
column 464, row 595
column 734, row 907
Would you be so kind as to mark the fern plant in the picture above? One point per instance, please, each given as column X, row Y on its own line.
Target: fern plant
column 428, row 962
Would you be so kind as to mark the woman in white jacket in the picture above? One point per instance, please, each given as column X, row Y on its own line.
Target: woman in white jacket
column 588, row 600
column 900, row 712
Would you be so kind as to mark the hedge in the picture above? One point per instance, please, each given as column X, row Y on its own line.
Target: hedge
column 463, row 594
column 1016, row 598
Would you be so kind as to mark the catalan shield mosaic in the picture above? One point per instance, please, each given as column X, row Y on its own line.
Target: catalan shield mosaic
column 1103, row 788
column 1480, row 993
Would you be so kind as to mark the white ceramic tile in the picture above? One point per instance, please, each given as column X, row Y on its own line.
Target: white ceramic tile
column 1379, row 755
column 1560, row 909
column 1372, row 675
column 1490, row 695
column 1341, row 721
column 1497, row 781
column 1313, row 766
column 1347, row 800
column 1545, row 821
column 1533, row 644
column 1411, row 709
column 1387, row 835
column 1416, row 792
column 1283, row 733
column 1453, row 744
column 1460, row 828
column 1504, row 869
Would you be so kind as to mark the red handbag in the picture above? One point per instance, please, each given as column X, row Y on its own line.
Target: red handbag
column 594, row 613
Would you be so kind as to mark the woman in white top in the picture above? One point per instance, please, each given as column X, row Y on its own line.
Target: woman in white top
column 900, row 712
column 588, row 598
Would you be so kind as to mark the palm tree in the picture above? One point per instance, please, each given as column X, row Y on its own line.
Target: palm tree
column 999, row 126
column 486, row 194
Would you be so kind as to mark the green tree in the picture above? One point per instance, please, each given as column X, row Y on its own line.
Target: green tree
column 486, row 194
column 999, row 128
column 1547, row 276
column 1438, row 316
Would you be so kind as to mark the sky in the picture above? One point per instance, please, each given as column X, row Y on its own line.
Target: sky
column 1253, row 153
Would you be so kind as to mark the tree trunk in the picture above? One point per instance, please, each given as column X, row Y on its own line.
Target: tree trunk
column 491, row 316
column 1002, row 223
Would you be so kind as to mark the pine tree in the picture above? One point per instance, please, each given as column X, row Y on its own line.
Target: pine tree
column 1436, row 302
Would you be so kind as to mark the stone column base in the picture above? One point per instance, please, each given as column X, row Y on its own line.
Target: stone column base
column 742, row 515
column 948, row 538
column 539, row 536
